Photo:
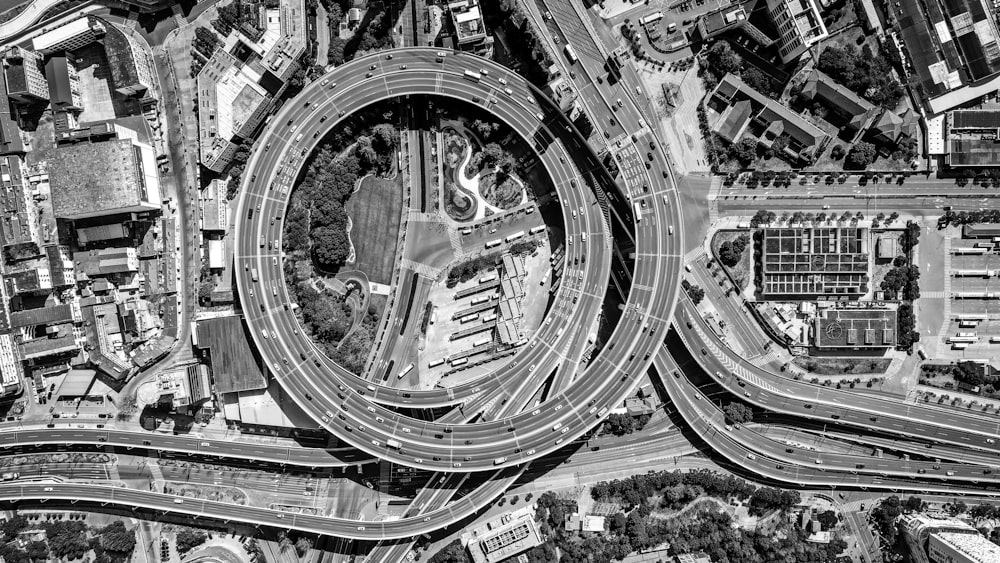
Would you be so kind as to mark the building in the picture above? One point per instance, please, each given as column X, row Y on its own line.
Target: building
column 693, row 558
column 636, row 406
column 147, row 6
column 131, row 66
column 981, row 230
column 11, row 139
column 799, row 26
column 107, row 342
column 214, row 207
column 93, row 179
column 956, row 547
column 64, row 84
column 185, row 388
column 11, row 372
column 737, row 110
column 235, row 364
column 847, row 109
column 891, row 129
column 717, row 22
column 587, row 523
column 503, row 537
column 27, row 281
column 25, row 76
column 106, row 261
column 235, row 94
column 102, row 233
column 466, row 18
column 70, row 37
column 886, row 248
column 973, row 138
column 18, row 222
column 803, row 263
column 952, row 50
column 855, row 328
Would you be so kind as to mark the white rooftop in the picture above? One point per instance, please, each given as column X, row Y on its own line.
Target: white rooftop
column 61, row 33
column 977, row 547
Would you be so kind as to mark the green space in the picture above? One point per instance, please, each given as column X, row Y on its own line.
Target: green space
column 66, row 540
column 734, row 250
column 316, row 242
column 375, row 211
column 842, row 366
column 500, row 189
column 458, row 203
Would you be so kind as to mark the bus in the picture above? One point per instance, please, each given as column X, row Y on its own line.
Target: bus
column 637, row 211
column 459, row 362
column 651, row 18
column 490, row 317
column 968, row 324
column 963, row 340
column 487, row 279
column 492, row 243
column 253, row 274
column 481, row 299
column 435, row 363
column 984, row 245
column 959, row 345
column 536, row 230
column 480, row 342
column 971, row 317
column 966, row 334
column 996, row 239
column 994, row 339
column 515, row 236
column 405, row 371
column 570, row 54
column 473, row 75
column 469, row 318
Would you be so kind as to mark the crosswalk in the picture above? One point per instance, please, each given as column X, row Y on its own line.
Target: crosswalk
column 731, row 365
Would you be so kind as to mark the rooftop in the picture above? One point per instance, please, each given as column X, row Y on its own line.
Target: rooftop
column 819, row 260
column 974, row 546
column 856, row 328
column 92, row 179
column 859, row 112
column 236, row 365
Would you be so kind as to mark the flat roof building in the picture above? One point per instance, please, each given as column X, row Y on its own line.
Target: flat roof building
column 93, row 179
column 25, row 75
column 214, row 207
column 27, row 281
column 981, row 230
column 107, row 347
column 65, row 93
column 855, row 328
column 973, row 138
column 468, row 22
column 131, row 66
column 106, row 261
column 736, row 110
column 101, row 233
column 18, row 224
column 77, row 33
column 236, row 366
column 957, row 547
column 799, row 26
column 503, row 537
column 11, row 140
column 717, row 22
column 808, row 262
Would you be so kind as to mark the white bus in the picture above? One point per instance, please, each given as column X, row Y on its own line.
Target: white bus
column 536, row 230
column 959, row 345
column 481, row 299
column 480, row 342
column 651, row 18
column 570, row 54
column 469, row 318
column 968, row 324
column 487, row 279
column 966, row 334
column 473, row 75
column 994, row 339
column 971, row 317
column 984, row 245
column 492, row 243
column 963, row 340
column 459, row 362
column 515, row 236
column 393, row 444
column 435, row 363
column 490, row 317
column 637, row 211
column 405, row 371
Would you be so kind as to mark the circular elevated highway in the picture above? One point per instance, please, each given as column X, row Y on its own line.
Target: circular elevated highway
column 355, row 409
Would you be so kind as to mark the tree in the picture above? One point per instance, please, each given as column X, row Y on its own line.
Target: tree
column 335, row 52
column 837, row 152
column 330, row 247
column 862, row 154
column 913, row 504
column 205, row 290
column 67, row 539
column 116, row 538
column 738, row 412
column 189, row 538
column 302, row 545
column 366, row 152
column 745, row 151
column 758, row 81
column 828, row 519
column 695, row 292
column 37, row 550
column 722, row 59
column 619, row 424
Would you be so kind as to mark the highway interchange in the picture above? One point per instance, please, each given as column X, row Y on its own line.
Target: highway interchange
column 512, row 432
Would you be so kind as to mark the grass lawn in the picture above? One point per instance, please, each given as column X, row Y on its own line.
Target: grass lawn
column 375, row 210
column 842, row 366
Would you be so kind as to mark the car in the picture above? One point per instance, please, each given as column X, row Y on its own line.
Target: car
column 441, row 53
column 361, row 528
column 341, row 113
column 751, row 456
column 456, row 464
column 369, row 75
column 402, row 67
column 47, row 490
column 439, row 60
column 205, row 444
column 178, row 501
column 388, row 57
column 536, row 412
column 372, row 67
column 325, row 82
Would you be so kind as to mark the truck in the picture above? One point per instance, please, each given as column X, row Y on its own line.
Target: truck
column 253, row 274
column 394, row 444
column 499, row 460
column 10, row 476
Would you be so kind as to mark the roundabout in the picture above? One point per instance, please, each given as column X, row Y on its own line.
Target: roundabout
column 357, row 410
